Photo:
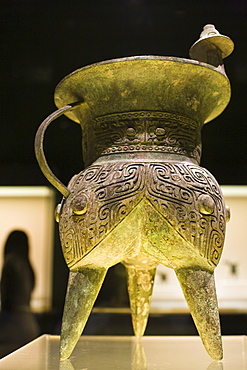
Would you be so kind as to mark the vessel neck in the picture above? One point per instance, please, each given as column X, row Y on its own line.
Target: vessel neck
column 143, row 135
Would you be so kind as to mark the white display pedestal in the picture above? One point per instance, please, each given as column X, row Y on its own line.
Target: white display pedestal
column 126, row 353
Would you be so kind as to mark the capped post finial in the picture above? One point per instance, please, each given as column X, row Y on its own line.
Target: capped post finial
column 212, row 47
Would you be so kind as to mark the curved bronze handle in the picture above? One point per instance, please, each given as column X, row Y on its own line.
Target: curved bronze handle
column 39, row 152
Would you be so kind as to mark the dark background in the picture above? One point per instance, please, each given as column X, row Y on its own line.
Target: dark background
column 43, row 41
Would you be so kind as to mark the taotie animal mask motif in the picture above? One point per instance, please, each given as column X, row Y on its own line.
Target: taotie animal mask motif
column 142, row 198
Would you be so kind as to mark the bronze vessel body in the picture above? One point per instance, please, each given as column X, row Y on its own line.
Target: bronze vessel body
column 143, row 198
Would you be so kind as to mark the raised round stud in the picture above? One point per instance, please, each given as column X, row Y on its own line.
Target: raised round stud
column 206, row 204
column 79, row 204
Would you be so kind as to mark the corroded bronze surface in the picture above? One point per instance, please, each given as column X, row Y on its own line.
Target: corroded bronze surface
column 142, row 199
column 183, row 195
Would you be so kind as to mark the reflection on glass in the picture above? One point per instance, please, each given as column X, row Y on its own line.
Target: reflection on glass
column 66, row 365
column 139, row 358
column 216, row 366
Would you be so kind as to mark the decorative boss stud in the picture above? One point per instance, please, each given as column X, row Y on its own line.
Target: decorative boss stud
column 143, row 199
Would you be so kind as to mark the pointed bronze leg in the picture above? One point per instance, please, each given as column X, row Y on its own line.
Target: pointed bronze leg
column 82, row 291
column 140, row 287
column 199, row 290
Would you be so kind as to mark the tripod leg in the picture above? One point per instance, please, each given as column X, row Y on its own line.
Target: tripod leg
column 199, row 290
column 82, row 291
column 140, row 287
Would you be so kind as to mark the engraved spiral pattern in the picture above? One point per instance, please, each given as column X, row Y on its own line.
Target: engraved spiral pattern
column 114, row 189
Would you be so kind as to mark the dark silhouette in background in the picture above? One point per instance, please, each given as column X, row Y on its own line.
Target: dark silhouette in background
column 18, row 325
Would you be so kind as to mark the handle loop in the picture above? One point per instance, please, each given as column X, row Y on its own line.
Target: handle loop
column 39, row 151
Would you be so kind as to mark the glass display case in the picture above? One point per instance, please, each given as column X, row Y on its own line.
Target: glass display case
column 126, row 353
